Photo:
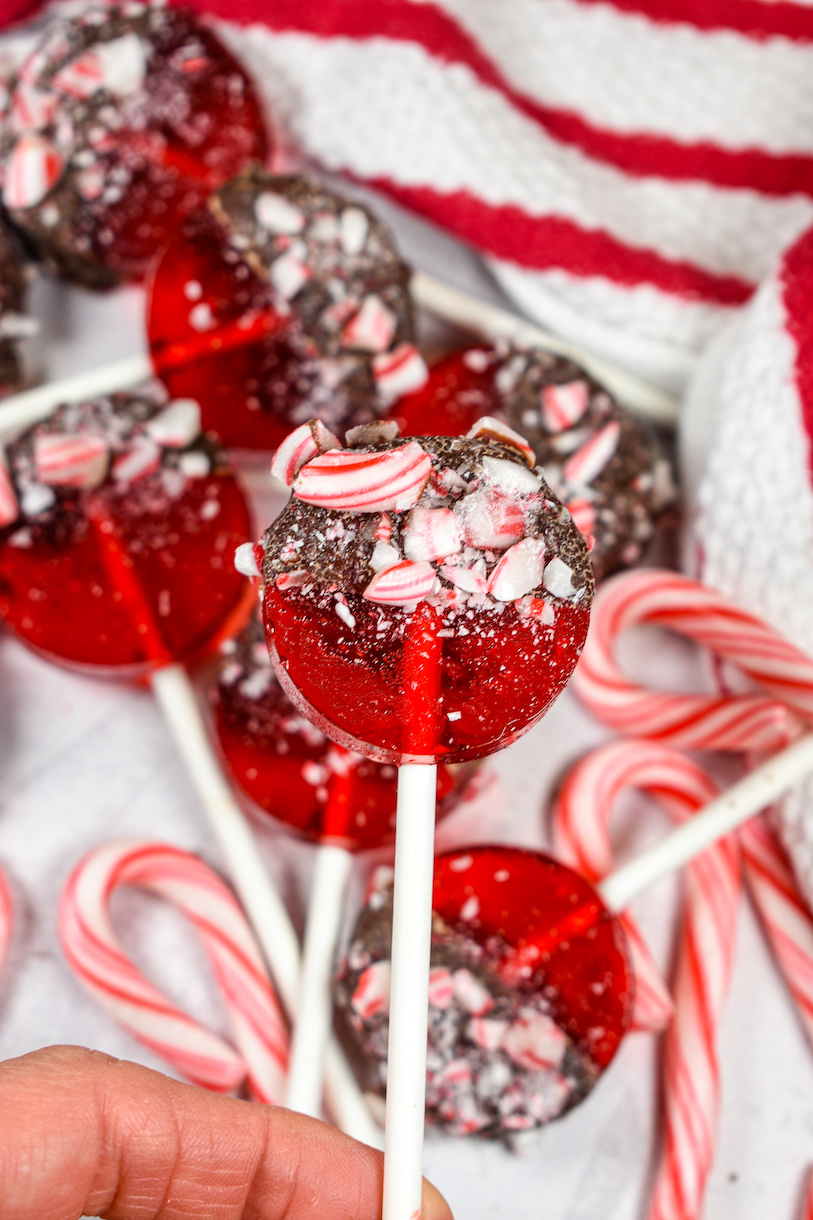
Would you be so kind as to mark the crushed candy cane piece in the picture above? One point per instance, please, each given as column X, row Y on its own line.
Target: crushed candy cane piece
column 354, row 227
column 588, row 461
column 248, row 560
column 9, row 508
column 34, row 168
column 289, row 274
column 372, row 994
column 402, row 584
column 534, row 1041
column 372, row 328
column 299, row 447
column 177, row 425
column 511, row 476
column 431, row 534
column 401, row 371
column 558, row 578
column 488, row 428
column 490, row 520
column 277, row 214
column 71, row 461
column 519, row 571
column 349, row 481
column 563, row 406
column 441, row 987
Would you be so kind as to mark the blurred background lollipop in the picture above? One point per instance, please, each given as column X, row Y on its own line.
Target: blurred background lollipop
column 120, row 121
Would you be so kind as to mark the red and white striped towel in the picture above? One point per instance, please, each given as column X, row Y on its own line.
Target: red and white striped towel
column 630, row 167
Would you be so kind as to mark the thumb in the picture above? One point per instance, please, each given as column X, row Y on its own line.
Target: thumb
column 83, row 1133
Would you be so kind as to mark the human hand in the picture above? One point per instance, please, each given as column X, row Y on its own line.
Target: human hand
column 83, row 1133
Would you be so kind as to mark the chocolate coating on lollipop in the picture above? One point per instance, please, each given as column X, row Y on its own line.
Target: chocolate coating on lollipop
column 12, row 325
column 121, row 442
column 497, row 1063
column 342, row 550
column 602, row 461
column 326, row 270
column 121, row 120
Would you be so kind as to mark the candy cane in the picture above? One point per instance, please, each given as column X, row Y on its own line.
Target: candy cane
column 706, row 722
column 581, row 825
column 784, row 915
column 6, row 917
column 582, row 814
column 91, row 949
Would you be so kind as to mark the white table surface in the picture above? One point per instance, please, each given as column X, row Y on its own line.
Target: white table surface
column 82, row 761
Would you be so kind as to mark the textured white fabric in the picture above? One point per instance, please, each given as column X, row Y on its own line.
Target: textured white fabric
column 612, row 67
column 384, row 108
column 753, row 536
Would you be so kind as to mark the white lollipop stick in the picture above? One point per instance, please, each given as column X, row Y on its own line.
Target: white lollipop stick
column 20, row 411
column 492, row 322
column 739, row 803
column 315, row 1003
column 265, row 909
column 409, row 995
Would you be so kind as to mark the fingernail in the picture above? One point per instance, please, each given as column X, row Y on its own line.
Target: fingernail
column 433, row 1204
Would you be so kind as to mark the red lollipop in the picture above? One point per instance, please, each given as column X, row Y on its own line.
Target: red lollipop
column 291, row 771
column 425, row 599
column 279, row 300
column 603, row 462
column 118, row 554
column 121, row 121
column 530, row 990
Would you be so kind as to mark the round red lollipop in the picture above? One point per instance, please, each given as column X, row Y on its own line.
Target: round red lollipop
column 530, row 990
column 119, row 524
column 121, row 121
column 425, row 599
column 277, row 301
column 291, row 771
column 602, row 461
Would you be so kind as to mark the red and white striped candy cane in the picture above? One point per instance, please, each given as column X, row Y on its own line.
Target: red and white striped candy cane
column 581, row 817
column 784, row 914
column 90, row 946
column 706, row 950
column 703, row 722
column 6, row 917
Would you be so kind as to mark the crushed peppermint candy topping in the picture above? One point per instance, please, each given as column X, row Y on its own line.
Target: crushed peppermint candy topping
column 583, row 513
column 450, row 521
column 34, row 168
column 402, row 584
column 371, row 329
column 372, row 994
column 248, row 560
column 489, row 427
column 594, row 454
column 177, row 425
column 400, row 371
column 350, row 481
column 354, row 226
column 304, row 443
column 71, row 461
column 431, row 534
column 289, row 273
column 277, row 214
column 564, row 405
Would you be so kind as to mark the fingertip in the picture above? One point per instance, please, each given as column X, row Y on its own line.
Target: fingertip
column 433, row 1204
